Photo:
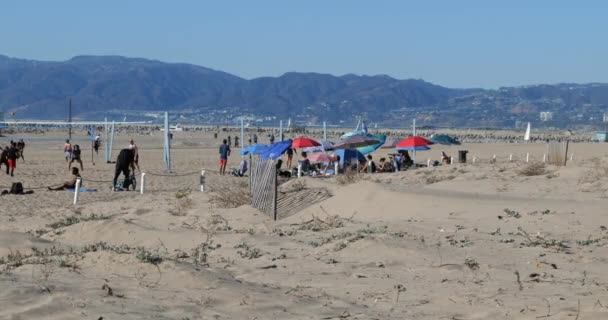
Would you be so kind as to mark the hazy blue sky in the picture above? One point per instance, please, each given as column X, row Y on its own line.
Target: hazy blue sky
column 455, row 43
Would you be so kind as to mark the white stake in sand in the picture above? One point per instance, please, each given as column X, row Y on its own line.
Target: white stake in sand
column 76, row 191
column 510, row 157
column 474, row 159
column 299, row 170
column 141, row 188
column 428, row 163
column 544, row 158
column 336, row 168
column 571, row 156
column 527, row 157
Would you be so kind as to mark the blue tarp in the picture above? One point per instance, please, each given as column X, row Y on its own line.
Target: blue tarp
column 352, row 155
column 275, row 150
column 254, row 149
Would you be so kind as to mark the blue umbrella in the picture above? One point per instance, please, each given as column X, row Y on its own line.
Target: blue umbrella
column 352, row 155
column 254, row 149
column 275, row 150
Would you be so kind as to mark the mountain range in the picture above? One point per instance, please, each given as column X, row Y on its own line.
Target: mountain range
column 100, row 85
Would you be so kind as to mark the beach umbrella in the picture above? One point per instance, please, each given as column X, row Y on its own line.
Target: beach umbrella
column 325, row 146
column 352, row 155
column 413, row 143
column 319, row 157
column 304, row 142
column 392, row 143
column 275, row 150
column 444, row 139
column 254, row 149
column 369, row 149
column 352, row 134
column 418, row 148
column 355, row 142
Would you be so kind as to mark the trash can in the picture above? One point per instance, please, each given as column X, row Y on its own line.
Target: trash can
column 462, row 156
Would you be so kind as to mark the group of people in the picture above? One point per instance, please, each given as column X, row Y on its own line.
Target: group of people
column 126, row 162
column 10, row 154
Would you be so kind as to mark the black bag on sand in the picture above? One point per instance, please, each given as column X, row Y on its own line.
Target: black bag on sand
column 130, row 182
column 17, row 188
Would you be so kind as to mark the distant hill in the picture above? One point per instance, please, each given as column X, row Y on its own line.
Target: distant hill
column 98, row 84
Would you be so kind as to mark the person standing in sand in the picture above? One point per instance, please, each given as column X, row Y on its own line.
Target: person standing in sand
column 96, row 144
column 12, row 158
column 4, row 159
column 124, row 162
column 21, row 147
column 224, row 154
column 67, row 150
column 135, row 149
column 289, row 153
column 76, row 157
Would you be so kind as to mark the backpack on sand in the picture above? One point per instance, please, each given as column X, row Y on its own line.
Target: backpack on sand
column 17, row 188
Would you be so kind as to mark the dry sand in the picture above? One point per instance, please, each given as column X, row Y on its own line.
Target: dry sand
column 463, row 241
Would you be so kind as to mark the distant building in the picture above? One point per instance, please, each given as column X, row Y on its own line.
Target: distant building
column 605, row 119
column 546, row 116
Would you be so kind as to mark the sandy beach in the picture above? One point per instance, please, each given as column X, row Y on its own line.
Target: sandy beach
column 464, row 241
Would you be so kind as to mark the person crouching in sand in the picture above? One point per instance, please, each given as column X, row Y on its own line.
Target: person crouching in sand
column 70, row 184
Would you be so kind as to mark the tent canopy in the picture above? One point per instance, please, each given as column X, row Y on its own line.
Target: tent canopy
column 444, row 139
column 254, row 149
column 352, row 155
column 275, row 150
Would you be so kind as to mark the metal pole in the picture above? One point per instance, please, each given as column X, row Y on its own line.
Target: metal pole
column 281, row 130
column 566, row 155
column 167, row 146
column 242, row 134
column 414, row 134
column 105, row 142
column 70, row 118
column 324, row 131
column 275, row 194
column 92, row 134
column 111, row 141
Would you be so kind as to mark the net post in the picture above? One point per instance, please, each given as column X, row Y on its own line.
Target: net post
column 275, row 193
column 77, row 191
column 141, row 188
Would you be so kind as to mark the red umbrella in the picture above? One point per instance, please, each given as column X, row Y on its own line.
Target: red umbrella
column 413, row 142
column 303, row 142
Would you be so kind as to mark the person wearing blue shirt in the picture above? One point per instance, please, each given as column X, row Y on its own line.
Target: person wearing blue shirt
column 224, row 153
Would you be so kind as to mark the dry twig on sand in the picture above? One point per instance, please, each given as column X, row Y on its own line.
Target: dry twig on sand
column 533, row 169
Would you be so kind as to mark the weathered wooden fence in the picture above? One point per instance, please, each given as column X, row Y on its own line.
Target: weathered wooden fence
column 267, row 197
column 263, row 186
column 557, row 153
